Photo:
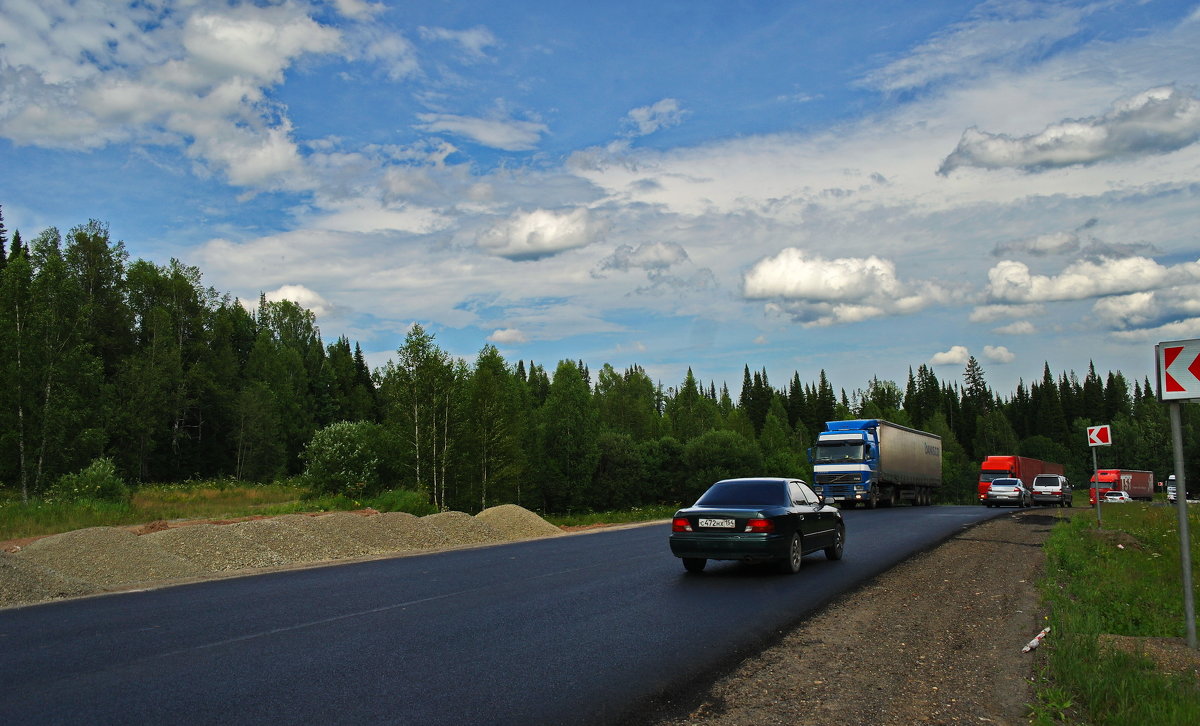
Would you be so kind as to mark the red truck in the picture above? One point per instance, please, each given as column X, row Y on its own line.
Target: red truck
column 1137, row 484
column 1019, row 467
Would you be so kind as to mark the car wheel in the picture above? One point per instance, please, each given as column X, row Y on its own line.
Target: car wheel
column 694, row 564
column 795, row 556
column 834, row 551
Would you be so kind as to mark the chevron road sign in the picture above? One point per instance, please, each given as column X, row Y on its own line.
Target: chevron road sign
column 1178, row 365
column 1099, row 435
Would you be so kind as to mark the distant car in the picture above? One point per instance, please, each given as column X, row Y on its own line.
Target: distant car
column 1008, row 492
column 1117, row 496
column 1051, row 489
column 754, row 520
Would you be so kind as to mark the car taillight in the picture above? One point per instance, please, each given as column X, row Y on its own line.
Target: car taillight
column 760, row 525
column 680, row 524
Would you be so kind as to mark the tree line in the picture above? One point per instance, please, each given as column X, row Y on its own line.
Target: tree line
column 141, row 364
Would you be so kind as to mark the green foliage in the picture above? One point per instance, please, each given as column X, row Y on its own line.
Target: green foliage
column 99, row 481
column 1121, row 580
column 719, row 455
column 346, row 458
column 402, row 500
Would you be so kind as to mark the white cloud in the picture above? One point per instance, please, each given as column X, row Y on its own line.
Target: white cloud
column 191, row 77
column 508, row 336
column 816, row 291
column 1156, row 121
column 1020, row 327
column 1011, row 281
column 648, row 256
column 957, row 355
column 648, row 119
column 992, row 313
column 542, row 232
column 998, row 354
column 995, row 33
column 473, row 42
column 303, row 297
column 497, row 133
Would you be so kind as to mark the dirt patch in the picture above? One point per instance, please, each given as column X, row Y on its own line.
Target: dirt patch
column 1170, row 655
column 936, row 640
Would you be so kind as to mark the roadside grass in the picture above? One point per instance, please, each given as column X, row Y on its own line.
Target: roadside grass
column 227, row 499
column 1122, row 580
column 620, row 516
column 216, row 499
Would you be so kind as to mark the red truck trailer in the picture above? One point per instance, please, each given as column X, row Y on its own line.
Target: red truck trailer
column 1137, row 484
column 1019, row 467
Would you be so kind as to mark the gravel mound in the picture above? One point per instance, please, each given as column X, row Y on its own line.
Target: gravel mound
column 215, row 548
column 97, row 559
column 24, row 581
column 516, row 522
column 106, row 557
column 461, row 528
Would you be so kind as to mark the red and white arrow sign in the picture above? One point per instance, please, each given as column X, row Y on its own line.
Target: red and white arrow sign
column 1179, row 369
column 1099, row 435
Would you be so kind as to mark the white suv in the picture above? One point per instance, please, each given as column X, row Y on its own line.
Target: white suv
column 1051, row 489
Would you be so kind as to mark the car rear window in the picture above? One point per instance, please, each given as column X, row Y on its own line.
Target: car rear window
column 755, row 493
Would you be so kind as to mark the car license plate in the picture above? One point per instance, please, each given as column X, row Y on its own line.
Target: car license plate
column 717, row 523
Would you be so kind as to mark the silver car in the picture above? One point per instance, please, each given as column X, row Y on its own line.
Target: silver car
column 1008, row 493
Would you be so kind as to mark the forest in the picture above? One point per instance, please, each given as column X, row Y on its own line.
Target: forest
column 141, row 366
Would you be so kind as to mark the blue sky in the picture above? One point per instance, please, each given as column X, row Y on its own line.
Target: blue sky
column 857, row 187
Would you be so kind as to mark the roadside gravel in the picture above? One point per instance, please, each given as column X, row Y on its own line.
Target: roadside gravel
column 936, row 640
column 107, row 559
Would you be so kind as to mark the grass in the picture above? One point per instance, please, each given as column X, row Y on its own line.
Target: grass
column 622, row 516
column 223, row 499
column 219, row 499
column 1123, row 580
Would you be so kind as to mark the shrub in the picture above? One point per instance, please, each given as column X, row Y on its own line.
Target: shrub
column 403, row 500
column 99, row 481
column 346, row 458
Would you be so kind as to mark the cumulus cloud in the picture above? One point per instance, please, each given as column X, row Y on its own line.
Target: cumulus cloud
column 194, row 77
column 957, row 355
column 1157, row 121
column 508, row 336
column 1011, row 281
column 816, row 291
column 303, row 297
column 496, row 133
column 998, row 354
column 648, row 119
column 540, row 233
column 652, row 256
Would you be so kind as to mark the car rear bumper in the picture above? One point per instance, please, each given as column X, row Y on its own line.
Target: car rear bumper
column 729, row 546
column 1049, row 498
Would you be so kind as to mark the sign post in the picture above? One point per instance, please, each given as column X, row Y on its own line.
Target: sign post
column 1098, row 436
column 1178, row 366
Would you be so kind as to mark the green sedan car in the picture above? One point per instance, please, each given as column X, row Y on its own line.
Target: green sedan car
column 754, row 520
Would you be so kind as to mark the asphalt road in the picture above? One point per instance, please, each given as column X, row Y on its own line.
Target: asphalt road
column 584, row 629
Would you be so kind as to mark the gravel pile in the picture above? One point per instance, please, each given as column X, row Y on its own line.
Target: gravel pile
column 454, row 528
column 98, row 559
column 215, row 548
column 107, row 557
column 515, row 522
column 23, row 581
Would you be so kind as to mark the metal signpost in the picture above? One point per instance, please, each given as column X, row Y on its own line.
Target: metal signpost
column 1178, row 366
column 1098, row 436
